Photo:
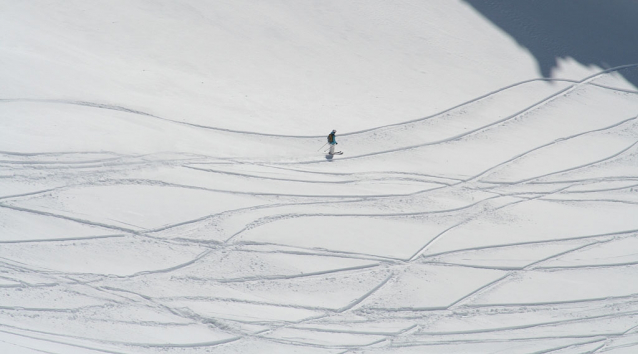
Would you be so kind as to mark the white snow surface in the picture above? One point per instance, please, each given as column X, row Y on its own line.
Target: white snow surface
column 163, row 188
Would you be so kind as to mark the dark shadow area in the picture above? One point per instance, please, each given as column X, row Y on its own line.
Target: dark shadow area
column 329, row 157
column 592, row 32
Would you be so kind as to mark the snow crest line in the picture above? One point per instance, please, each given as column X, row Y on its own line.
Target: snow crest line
column 138, row 112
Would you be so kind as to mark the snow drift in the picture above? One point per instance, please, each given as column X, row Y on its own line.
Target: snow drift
column 163, row 186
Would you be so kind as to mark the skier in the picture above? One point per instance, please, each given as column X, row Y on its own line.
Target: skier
column 332, row 141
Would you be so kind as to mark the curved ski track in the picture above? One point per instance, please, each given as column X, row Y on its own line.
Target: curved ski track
column 349, row 324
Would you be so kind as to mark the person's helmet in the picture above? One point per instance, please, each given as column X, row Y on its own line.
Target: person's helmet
column 334, row 130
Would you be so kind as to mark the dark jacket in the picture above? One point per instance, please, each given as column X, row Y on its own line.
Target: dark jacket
column 332, row 140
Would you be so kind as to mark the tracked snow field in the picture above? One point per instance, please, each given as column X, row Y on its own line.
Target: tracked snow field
column 146, row 212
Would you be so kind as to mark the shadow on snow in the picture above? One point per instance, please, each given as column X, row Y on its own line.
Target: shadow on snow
column 592, row 32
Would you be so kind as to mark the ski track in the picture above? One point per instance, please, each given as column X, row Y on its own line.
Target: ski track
column 275, row 207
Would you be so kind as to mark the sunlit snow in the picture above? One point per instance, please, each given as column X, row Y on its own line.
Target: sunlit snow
column 164, row 189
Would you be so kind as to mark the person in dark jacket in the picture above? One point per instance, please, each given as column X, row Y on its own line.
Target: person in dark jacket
column 332, row 140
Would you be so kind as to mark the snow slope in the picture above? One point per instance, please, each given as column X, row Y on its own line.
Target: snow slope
column 163, row 189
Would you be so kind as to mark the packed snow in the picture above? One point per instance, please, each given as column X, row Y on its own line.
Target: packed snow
column 164, row 189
